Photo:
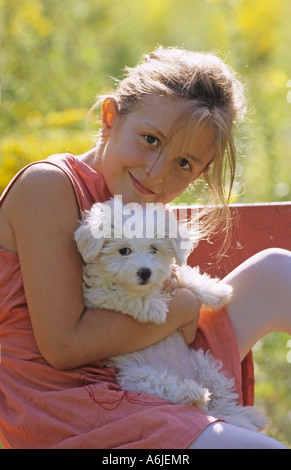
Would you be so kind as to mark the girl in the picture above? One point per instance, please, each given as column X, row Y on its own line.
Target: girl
column 169, row 121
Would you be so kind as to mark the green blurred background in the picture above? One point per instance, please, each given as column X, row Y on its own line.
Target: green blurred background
column 57, row 55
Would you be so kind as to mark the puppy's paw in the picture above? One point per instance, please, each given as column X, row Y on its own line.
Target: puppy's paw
column 209, row 291
column 200, row 399
column 156, row 316
column 190, row 393
column 156, row 309
column 223, row 293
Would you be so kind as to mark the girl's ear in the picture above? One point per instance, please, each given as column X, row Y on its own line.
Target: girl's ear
column 109, row 113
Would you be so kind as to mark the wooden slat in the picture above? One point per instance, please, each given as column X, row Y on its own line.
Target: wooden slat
column 255, row 227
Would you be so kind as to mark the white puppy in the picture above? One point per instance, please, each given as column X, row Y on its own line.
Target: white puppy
column 125, row 270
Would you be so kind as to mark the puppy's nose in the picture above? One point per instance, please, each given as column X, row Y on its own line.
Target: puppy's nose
column 144, row 273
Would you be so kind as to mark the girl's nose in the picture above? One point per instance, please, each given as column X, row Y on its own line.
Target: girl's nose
column 156, row 170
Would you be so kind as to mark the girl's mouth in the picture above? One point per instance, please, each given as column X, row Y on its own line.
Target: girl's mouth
column 139, row 186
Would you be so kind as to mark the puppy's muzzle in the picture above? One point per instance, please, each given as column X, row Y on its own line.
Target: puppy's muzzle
column 144, row 274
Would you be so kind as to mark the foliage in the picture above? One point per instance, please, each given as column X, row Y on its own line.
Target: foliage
column 55, row 56
column 273, row 384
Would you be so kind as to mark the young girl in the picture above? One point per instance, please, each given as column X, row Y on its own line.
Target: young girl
column 169, row 121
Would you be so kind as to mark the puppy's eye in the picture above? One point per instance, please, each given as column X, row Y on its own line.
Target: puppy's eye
column 153, row 250
column 125, row 251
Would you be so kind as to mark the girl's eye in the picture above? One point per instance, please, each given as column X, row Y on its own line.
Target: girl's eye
column 152, row 140
column 153, row 250
column 125, row 251
column 184, row 164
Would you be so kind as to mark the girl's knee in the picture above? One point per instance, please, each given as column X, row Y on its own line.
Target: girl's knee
column 222, row 435
column 272, row 256
column 273, row 263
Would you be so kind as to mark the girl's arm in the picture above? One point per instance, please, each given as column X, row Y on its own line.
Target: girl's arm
column 43, row 215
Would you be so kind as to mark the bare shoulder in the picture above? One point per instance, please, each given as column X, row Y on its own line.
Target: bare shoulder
column 41, row 191
column 39, row 179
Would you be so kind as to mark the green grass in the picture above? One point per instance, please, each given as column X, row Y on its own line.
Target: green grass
column 273, row 384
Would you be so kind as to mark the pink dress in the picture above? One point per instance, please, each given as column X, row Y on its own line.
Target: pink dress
column 41, row 407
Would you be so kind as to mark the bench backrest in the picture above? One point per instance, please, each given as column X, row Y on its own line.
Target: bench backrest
column 255, row 227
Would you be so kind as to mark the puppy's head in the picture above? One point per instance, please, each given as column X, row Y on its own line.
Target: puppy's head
column 138, row 264
column 131, row 245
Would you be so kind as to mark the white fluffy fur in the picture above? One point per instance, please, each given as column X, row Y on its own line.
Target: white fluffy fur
column 170, row 369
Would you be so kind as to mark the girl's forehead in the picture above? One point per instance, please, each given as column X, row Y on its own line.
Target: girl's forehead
column 169, row 116
column 173, row 121
column 162, row 110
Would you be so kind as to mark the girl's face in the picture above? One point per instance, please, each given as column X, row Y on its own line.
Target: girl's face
column 131, row 155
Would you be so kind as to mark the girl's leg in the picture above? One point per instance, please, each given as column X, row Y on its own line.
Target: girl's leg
column 261, row 300
column 261, row 304
column 221, row 435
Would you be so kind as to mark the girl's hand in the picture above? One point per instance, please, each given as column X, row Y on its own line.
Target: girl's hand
column 171, row 283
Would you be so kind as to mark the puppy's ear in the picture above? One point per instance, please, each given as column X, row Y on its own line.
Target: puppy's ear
column 182, row 245
column 90, row 236
column 88, row 246
column 179, row 236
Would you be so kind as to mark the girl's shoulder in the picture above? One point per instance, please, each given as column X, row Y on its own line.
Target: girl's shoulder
column 31, row 175
column 38, row 193
column 38, row 184
column 60, row 183
column 42, row 192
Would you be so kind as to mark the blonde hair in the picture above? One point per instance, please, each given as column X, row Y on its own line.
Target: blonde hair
column 214, row 97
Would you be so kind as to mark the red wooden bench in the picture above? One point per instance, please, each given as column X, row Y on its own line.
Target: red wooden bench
column 255, row 227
